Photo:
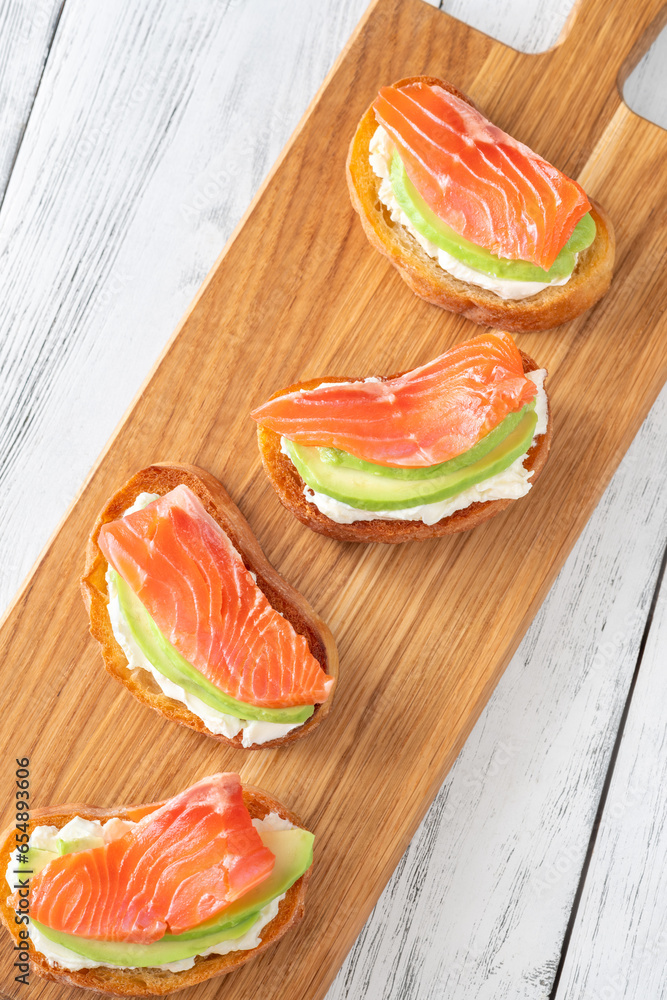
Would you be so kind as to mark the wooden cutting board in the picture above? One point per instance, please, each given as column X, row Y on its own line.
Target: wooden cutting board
column 424, row 629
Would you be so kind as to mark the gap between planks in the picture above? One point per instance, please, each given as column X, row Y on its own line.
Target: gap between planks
column 50, row 36
column 604, row 795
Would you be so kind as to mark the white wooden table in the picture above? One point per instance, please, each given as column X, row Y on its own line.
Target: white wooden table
column 134, row 134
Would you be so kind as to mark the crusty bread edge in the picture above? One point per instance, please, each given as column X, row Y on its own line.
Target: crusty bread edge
column 548, row 308
column 161, row 478
column 151, row 982
column 289, row 486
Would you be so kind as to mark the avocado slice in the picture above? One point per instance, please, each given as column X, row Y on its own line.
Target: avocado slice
column 432, row 227
column 79, row 844
column 36, row 859
column 78, row 835
column 126, row 955
column 165, row 658
column 366, row 491
column 293, row 849
column 334, row 456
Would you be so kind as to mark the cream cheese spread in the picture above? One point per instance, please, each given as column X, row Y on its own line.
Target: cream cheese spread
column 381, row 150
column 45, row 838
column 254, row 732
column 57, row 954
column 510, row 484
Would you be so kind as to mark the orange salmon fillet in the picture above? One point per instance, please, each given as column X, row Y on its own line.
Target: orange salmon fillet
column 194, row 584
column 486, row 186
column 422, row 418
column 180, row 865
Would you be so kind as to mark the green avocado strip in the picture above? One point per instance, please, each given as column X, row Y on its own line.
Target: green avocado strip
column 129, row 955
column 365, row 491
column 334, row 456
column 432, row 227
column 166, row 658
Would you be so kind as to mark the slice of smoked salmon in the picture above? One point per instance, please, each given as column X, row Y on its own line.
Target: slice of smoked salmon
column 485, row 185
column 194, row 584
column 181, row 864
column 424, row 417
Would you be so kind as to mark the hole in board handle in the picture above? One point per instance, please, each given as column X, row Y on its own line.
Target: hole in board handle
column 525, row 25
column 642, row 81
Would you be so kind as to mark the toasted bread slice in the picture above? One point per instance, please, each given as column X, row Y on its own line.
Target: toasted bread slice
column 289, row 486
column 548, row 308
column 161, row 478
column 150, row 982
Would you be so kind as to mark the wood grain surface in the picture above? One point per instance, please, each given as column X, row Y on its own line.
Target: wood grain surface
column 151, row 131
column 484, row 902
column 298, row 293
column 479, row 905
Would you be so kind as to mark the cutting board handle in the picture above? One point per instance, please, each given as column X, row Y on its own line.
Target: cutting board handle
column 622, row 30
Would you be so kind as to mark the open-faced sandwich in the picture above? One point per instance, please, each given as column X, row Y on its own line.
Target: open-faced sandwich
column 146, row 900
column 473, row 220
column 429, row 452
column 195, row 622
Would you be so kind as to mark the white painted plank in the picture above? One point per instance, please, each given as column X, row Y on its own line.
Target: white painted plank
column 523, row 24
column 645, row 89
column 26, row 30
column 153, row 127
column 479, row 905
column 619, row 941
